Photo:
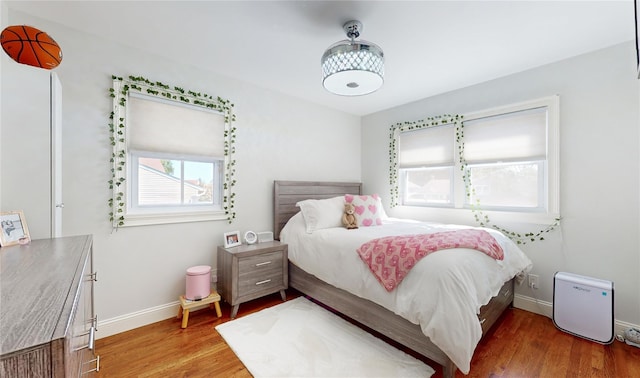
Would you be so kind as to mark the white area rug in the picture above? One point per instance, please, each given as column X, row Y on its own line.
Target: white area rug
column 301, row 339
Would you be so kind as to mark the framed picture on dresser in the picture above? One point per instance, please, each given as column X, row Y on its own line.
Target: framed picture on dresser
column 13, row 228
column 232, row 239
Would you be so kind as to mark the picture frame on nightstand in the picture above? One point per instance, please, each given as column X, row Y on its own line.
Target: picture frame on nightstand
column 232, row 239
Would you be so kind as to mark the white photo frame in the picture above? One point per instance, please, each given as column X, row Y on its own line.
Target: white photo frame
column 232, row 239
column 13, row 228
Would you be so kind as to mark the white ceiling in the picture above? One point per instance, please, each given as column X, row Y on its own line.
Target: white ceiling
column 430, row 47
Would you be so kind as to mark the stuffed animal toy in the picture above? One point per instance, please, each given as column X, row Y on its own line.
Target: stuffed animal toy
column 348, row 218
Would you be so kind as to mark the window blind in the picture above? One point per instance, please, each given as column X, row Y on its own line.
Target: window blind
column 156, row 126
column 431, row 146
column 516, row 136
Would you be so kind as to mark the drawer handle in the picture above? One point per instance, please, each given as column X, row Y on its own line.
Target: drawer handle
column 97, row 368
column 92, row 339
column 482, row 321
column 263, row 282
column 506, row 293
column 263, row 263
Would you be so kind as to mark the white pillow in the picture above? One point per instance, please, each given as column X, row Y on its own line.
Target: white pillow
column 320, row 214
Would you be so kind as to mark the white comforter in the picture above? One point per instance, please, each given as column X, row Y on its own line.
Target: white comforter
column 443, row 292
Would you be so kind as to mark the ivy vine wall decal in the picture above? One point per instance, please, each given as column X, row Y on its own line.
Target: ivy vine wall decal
column 119, row 93
column 481, row 218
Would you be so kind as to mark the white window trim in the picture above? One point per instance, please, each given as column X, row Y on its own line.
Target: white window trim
column 552, row 212
column 139, row 215
column 140, row 219
column 121, row 165
column 553, row 156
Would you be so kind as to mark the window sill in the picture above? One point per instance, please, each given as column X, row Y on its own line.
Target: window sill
column 466, row 216
column 132, row 220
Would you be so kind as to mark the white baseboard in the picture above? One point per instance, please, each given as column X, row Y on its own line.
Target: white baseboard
column 137, row 319
column 534, row 305
column 151, row 315
column 144, row 317
column 546, row 309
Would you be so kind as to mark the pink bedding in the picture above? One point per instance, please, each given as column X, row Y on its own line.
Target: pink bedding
column 391, row 258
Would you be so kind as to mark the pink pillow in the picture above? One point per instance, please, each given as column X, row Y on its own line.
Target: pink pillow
column 368, row 209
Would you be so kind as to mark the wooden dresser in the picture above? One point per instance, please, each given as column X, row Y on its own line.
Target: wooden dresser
column 47, row 318
column 248, row 272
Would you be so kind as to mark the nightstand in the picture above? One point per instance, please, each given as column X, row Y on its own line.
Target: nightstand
column 247, row 272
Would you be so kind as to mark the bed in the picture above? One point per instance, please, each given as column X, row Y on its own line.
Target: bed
column 397, row 314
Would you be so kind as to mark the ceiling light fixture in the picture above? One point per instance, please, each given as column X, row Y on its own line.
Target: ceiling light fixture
column 353, row 68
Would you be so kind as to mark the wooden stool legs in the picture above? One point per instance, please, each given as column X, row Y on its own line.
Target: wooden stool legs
column 185, row 305
column 184, row 314
column 216, row 305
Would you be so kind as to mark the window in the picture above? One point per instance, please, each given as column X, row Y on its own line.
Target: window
column 510, row 155
column 164, row 181
column 426, row 162
column 507, row 157
column 172, row 156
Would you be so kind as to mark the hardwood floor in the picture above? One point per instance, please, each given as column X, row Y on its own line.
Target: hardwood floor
column 522, row 344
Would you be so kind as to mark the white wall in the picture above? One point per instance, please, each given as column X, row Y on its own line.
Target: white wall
column 599, row 165
column 141, row 270
column 26, row 146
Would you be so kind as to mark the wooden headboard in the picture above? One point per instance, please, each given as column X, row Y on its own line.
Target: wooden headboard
column 287, row 193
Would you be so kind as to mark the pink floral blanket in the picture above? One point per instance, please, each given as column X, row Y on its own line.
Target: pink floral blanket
column 391, row 258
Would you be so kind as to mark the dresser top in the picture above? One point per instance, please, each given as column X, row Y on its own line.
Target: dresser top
column 38, row 285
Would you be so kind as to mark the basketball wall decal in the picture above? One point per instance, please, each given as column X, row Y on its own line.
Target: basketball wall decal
column 28, row 45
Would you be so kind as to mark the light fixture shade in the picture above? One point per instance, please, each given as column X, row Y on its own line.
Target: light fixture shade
column 353, row 68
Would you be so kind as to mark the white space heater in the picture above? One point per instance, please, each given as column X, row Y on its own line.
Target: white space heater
column 583, row 306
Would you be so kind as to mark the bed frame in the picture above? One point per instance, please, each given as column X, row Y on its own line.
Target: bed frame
column 369, row 314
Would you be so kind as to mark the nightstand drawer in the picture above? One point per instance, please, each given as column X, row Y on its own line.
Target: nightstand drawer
column 254, row 284
column 259, row 264
column 260, row 273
